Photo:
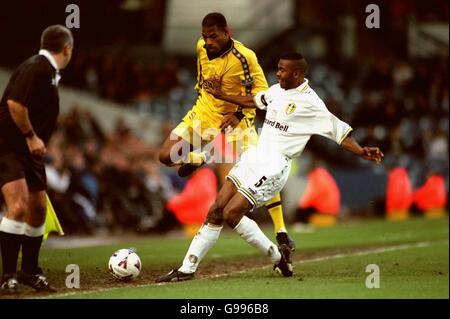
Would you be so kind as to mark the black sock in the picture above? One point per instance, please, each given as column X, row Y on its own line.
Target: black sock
column 30, row 254
column 10, row 245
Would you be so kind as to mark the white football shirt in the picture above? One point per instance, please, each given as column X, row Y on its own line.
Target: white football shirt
column 292, row 117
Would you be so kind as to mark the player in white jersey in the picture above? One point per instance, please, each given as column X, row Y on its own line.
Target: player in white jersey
column 294, row 113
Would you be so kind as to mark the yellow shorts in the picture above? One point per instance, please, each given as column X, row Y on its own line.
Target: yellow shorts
column 199, row 128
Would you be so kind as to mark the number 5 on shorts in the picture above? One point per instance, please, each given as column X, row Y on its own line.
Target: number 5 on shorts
column 262, row 180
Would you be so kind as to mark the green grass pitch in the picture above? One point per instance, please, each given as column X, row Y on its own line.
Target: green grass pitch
column 412, row 257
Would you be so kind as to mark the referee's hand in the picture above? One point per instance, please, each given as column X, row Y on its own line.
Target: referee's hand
column 36, row 146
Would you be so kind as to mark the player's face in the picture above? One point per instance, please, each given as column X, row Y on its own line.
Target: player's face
column 285, row 75
column 215, row 38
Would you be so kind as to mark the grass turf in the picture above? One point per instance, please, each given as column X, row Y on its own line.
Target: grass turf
column 407, row 270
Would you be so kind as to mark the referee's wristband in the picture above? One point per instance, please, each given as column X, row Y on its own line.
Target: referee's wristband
column 29, row 134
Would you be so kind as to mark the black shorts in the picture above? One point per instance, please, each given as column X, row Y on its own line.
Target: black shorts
column 17, row 165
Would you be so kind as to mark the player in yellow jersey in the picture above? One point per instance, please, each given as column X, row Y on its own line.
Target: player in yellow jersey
column 220, row 56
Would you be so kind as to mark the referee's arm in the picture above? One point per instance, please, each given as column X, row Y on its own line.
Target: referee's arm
column 19, row 114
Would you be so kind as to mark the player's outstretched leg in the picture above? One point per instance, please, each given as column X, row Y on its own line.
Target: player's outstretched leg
column 205, row 238
column 251, row 233
column 276, row 213
column 234, row 214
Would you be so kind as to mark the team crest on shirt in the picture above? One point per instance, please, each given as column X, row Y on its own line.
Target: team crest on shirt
column 290, row 108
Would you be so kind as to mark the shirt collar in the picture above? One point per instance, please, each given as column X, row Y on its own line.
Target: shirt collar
column 50, row 58
column 303, row 86
column 227, row 48
column 52, row 61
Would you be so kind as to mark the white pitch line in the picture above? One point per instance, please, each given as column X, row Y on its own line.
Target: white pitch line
column 337, row 256
column 318, row 259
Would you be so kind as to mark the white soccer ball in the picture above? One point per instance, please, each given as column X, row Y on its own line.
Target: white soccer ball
column 125, row 264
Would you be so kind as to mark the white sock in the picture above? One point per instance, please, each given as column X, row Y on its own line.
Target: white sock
column 11, row 226
column 31, row 231
column 252, row 234
column 205, row 238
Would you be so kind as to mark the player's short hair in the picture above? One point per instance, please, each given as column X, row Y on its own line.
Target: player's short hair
column 215, row 19
column 55, row 37
column 297, row 57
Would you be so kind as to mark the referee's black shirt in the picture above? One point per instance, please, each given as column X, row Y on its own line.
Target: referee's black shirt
column 33, row 84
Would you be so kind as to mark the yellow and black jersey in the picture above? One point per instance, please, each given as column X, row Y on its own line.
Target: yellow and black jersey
column 239, row 71
column 240, row 74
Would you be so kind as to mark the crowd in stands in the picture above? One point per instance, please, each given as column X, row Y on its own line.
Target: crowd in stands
column 116, row 76
column 401, row 106
column 105, row 182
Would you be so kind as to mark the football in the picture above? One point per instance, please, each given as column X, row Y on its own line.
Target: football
column 125, row 264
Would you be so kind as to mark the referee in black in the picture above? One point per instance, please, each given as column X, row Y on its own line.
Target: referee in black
column 28, row 112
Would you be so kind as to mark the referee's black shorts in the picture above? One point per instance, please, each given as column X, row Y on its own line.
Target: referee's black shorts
column 15, row 165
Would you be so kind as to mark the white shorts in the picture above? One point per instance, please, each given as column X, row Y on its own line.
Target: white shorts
column 260, row 178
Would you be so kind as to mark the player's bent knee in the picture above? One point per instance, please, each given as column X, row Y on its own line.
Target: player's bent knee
column 164, row 157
